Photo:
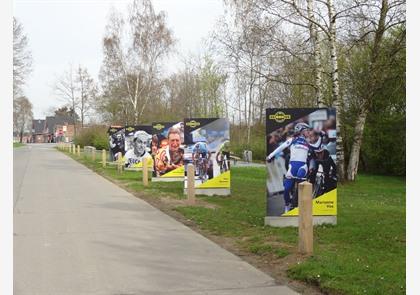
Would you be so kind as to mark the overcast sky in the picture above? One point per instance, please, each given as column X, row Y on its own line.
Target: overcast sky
column 64, row 32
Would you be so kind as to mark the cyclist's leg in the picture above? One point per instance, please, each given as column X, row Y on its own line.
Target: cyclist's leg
column 295, row 171
column 288, row 185
column 302, row 171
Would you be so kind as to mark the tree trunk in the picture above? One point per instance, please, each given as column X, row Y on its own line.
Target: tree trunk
column 371, row 84
column 336, row 90
column 317, row 54
column 74, row 120
column 357, row 143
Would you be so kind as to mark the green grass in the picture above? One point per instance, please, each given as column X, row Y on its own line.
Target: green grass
column 363, row 254
column 17, row 144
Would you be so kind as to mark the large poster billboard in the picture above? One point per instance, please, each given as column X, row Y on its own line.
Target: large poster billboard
column 137, row 146
column 207, row 147
column 116, row 141
column 301, row 146
column 168, row 151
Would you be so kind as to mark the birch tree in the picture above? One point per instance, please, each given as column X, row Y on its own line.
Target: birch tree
column 133, row 48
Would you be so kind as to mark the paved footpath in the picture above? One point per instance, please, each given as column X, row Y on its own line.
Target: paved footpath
column 76, row 233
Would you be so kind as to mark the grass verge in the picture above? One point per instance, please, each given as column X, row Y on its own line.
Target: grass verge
column 17, row 144
column 363, row 254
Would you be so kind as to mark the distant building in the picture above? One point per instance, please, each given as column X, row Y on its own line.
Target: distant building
column 38, row 131
column 53, row 129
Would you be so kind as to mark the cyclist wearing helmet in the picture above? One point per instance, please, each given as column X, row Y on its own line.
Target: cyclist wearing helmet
column 201, row 149
column 322, row 157
column 300, row 146
column 223, row 155
column 201, row 159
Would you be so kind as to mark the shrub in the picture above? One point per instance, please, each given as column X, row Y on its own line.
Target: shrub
column 96, row 136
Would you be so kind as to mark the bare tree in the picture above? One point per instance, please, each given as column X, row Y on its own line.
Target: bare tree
column 22, row 58
column 22, row 115
column 133, row 48
column 78, row 90
column 87, row 91
column 66, row 89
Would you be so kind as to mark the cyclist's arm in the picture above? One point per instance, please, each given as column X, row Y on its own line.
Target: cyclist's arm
column 281, row 147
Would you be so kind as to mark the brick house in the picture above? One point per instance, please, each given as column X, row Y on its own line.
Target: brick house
column 53, row 129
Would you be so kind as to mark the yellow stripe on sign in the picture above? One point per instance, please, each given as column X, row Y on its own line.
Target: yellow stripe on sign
column 220, row 181
column 325, row 204
column 178, row 172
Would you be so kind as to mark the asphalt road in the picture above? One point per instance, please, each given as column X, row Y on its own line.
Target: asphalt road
column 76, row 233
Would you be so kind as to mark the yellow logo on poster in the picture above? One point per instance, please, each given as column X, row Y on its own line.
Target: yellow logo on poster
column 130, row 129
column 112, row 130
column 193, row 124
column 158, row 127
column 279, row 117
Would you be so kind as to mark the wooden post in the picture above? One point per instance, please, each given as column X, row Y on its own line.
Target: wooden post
column 93, row 154
column 190, row 184
column 103, row 158
column 73, row 149
column 306, row 230
column 78, row 151
column 145, row 172
column 119, row 162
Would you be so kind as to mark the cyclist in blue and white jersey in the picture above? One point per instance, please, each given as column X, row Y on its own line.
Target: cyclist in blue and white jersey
column 200, row 150
column 300, row 146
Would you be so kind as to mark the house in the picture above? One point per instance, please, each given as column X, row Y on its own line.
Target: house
column 57, row 128
column 38, row 131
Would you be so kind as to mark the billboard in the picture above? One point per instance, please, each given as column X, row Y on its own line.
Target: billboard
column 207, row 147
column 138, row 139
column 116, row 141
column 168, row 151
column 301, row 146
